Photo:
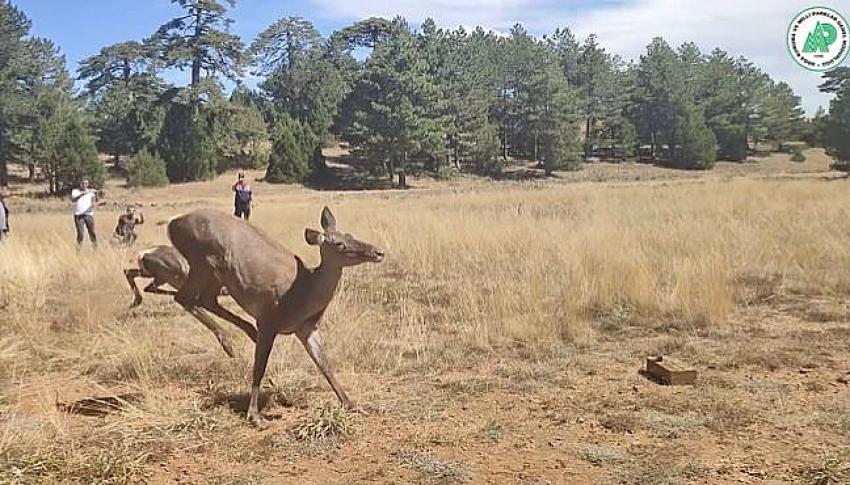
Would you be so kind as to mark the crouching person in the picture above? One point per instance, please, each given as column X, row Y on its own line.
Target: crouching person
column 125, row 230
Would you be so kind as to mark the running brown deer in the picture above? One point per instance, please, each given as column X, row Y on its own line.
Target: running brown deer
column 162, row 263
column 270, row 283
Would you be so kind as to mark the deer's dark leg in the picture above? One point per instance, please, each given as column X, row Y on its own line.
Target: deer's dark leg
column 210, row 302
column 265, row 341
column 154, row 288
column 131, row 275
column 189, row 297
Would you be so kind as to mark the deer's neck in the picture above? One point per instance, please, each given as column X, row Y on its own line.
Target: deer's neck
column 321, row 286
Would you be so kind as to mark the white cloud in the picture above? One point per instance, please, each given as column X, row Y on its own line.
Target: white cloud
column 451, row 13
column 752, row 28
column 755, row 29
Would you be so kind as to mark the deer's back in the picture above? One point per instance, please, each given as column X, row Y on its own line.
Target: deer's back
column 163, row 263
column 240, row 256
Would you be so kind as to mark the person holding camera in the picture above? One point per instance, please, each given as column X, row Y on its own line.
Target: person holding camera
column 84, row 199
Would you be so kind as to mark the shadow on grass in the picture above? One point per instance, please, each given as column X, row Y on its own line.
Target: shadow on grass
column 238, row 402
column 520, row 171
column 99, row 406
column 349, row 172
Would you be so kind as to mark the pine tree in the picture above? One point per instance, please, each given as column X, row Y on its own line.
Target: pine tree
column 826, row 129
column 659, row 78
column 553, row 119
column 784, row 115
column 115, row 63
column 66, row 146
column 201, row 40
column 720, row 94
column 240, row 133
column 393, row 106
column 47, row 88
column 602, row 95
column 146, row 170
column 288, row 162
column 463, row 68
column 620, row 134
column 187, row 141
column 837, row 129
column 14, row 28
column 694, row 143
column 124, row 94
column 300, row 80
column 537, row 109
column 753, row 88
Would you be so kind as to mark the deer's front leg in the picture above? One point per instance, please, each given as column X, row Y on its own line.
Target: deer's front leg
column 312, row 340
column 265, row 341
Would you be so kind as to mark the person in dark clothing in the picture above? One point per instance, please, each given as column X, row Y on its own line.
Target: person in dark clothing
column 4, row 214
column 125, row 230
column 242, row 198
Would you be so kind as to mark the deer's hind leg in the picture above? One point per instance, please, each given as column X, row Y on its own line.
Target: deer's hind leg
column 154, row 287
column 209, row 301
column 190, row 298
column 131, row 275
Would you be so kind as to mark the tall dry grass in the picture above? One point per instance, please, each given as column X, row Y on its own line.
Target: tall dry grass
column 466, row 271
column 489, row 267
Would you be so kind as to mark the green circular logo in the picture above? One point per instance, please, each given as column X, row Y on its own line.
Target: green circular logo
column 818, row 39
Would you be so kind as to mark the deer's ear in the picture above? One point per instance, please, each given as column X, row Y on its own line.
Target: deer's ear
column 328, row 219
column 313, row 237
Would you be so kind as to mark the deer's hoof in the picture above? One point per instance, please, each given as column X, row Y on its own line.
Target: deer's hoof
column 355, row 409
column 258, row 421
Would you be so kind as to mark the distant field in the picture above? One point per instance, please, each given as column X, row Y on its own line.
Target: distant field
column 498, row 343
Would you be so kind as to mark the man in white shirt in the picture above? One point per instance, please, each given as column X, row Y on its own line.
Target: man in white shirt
column 84, row 199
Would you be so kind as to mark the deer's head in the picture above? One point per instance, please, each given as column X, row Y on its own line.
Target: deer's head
column 339, row 248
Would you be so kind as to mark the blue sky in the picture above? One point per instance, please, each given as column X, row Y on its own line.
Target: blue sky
column 753, row 28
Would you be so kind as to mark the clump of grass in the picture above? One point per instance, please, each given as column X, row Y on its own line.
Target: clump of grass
column 615, row 318
column 835, row 419
column 832, row 470
column 325, row 423
column 620, row 422
column 601, row 455
column 727, row 412
column 672, row 425
column 236, row 479
column 645, row 472
column 102, row 461
column 433, row 469
column 492, row 431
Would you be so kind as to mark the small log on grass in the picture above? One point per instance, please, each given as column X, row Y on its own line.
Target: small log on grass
column 665, row 370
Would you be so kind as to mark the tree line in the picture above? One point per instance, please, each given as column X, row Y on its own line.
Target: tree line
column 445, row 100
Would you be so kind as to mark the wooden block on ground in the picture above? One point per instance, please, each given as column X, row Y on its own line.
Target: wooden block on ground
column 670, row 371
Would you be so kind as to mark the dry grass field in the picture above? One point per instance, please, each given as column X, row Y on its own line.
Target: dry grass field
column 499, row 342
